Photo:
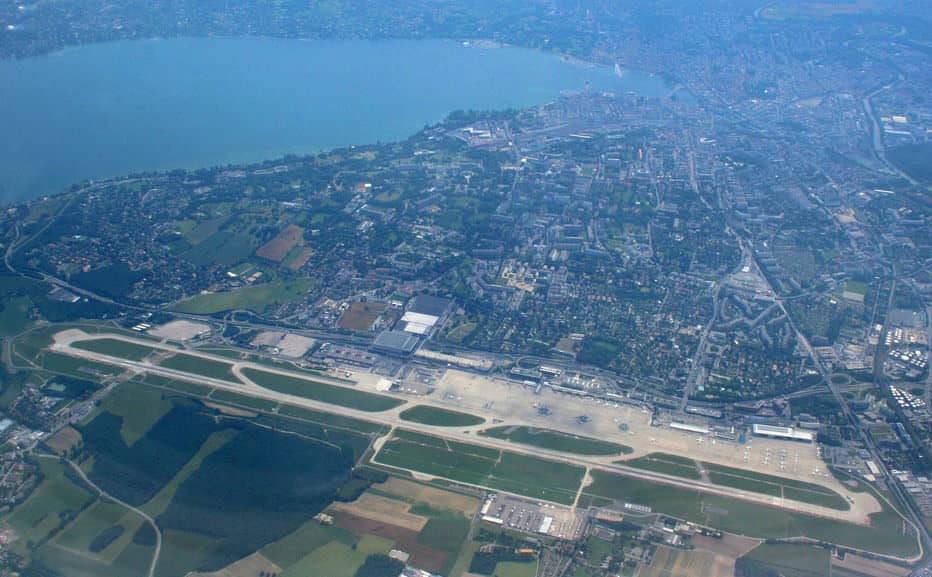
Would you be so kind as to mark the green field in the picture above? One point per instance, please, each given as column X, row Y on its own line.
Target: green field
column 666, row 464
column 337, row 559
column 312, row 535
column 332, row 394
column 259, row 404
column 466, row 463
column 556, row 441
column 94, row 520
column 745, row 518
column 786, row 560
column 253, row 298
column 81, row 368
column 200, row 366
column 139, row 406
column 776, row 486
column 157, row 505
column 856, row 287
column 331, row 420
column 115, row 348
column 14, row 316
column 427, row 415
column 184, row 387
column 170, row 466
column 514, row 569
column 48, row 507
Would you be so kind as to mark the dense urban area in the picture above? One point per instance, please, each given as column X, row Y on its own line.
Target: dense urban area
column 607, row 335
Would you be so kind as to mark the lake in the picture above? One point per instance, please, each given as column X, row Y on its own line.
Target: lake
column 110, row 109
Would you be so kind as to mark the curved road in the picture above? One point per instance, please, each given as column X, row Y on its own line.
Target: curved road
column 106, row 495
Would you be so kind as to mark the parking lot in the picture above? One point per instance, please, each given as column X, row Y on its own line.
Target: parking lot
column 532, row 517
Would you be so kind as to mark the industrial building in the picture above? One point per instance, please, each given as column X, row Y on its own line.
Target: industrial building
column 395, row 343
column 788, row 433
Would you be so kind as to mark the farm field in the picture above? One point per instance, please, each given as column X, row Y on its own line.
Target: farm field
column 528, row 476
column 428, row 415
column 176, row 452
column 276, row 249
column 669, row 562
column 361, row 316
column 381, row 519
column 885, row 535
column 254, row 298
column 40, row 514
column 556, row 441
column 786, row 560
column 335, row 395
column 223, row 248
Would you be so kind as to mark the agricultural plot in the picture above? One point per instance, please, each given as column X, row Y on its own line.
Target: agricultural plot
column 436, row 416
column 277, row 473
column 200, row 366
column 64, row 440
column 94, row 522
column 78, row 563
column 224, row 248
column 885, row 535
column 337, row 559
column 292, row 548
column 776, row 486
column 14, row 316
column 135, row 473
column 49, row 507
column 556, row 441
column 139, row 407
column 462, row 462
column 276, row 249
column 332, row 394
column 432, row 535
column 666, row 464
column 196, row 234
column 273, row 484
column 414, row 492
column 361, row 316
column 786, row 560
column 669, row 562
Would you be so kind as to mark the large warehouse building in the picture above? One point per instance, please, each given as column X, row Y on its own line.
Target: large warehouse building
column 788, row 433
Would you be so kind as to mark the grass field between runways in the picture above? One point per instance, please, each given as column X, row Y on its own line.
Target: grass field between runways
column 481, row 466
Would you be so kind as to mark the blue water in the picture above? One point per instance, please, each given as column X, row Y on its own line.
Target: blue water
column 110, row 109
